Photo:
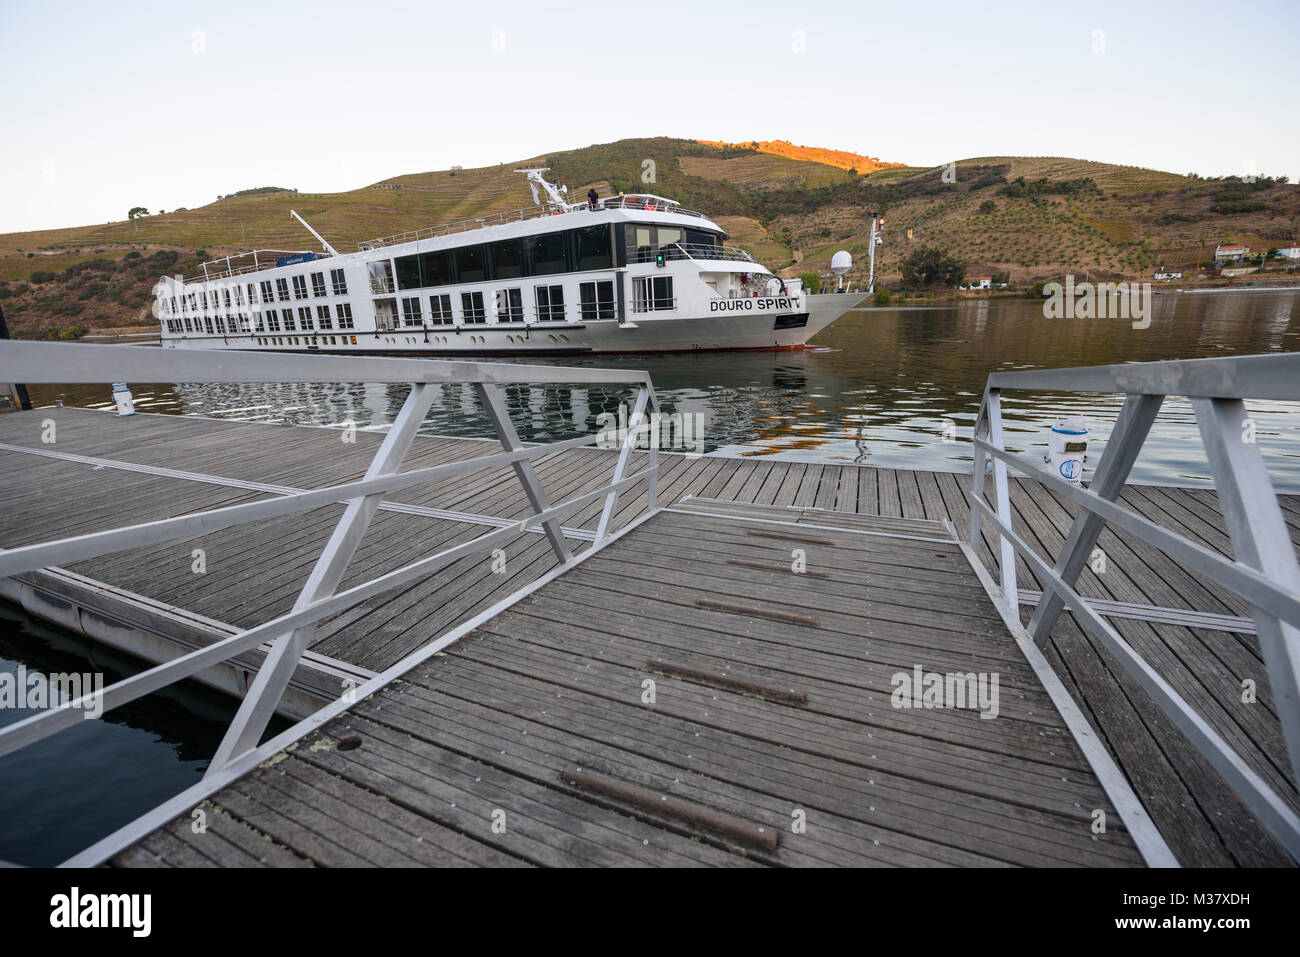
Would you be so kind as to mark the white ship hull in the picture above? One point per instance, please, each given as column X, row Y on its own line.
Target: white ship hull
column 743, row 330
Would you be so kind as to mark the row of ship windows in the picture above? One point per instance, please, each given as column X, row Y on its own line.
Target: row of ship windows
column 573, row 250
column 268, row 321
column 595, row 301
column 233, row 296
column 307, row 341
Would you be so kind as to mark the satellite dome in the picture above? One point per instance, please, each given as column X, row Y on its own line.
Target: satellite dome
column 841, row 262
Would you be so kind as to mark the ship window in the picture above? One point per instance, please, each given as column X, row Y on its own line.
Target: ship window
column 696, row 237
column 267, row 294
column 304, row 317
column 471, row 265
column 471, row 307
column 239, row 295
column 408, row 272
column 547, row 254
column 592, row 248
column 597, row 300
column 272, row 320
column 343, row 312
column 550, row 303
column 318, row 284
column 286, row 315
column 435, row 268
column 508, row 259
column 300, row 287
column 440, row 310
column 207, row 324
column 509, row 305
column 411, row 309
column 651, row 293
column 252, row 293
column 282, row 287
column 640, row 243
column 259, row 323
column 225, row 295
column 381, row 276
column 339, row 280
column 323, row 317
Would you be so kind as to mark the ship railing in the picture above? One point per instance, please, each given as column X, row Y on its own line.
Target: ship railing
column 1264, row 573
column 321, row 596
column 693, row 251
column 254, row 260
column 516, row 216
column 654, row 305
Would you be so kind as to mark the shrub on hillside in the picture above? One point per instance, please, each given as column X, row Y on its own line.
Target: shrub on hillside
column 930, row 266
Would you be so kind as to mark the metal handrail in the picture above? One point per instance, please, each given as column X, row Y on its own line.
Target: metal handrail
column 229, row 269
column 516, row 216
column 1265, row 572
column 691, row 251
column 320, row 597
column 654, row 305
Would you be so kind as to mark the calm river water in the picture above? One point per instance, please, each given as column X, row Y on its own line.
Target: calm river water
column 882, row 388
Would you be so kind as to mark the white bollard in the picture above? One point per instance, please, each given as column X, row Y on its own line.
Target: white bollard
column 1067, row 447
column 122, row 396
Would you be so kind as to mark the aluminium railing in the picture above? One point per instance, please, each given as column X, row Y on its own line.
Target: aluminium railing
column 228, row 267
column 516, row 216
column 691, row 251
column 654, row 305
column 320, row 597
column 1265, row 572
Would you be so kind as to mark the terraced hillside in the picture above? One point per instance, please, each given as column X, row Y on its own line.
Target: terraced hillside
column 1027, row 218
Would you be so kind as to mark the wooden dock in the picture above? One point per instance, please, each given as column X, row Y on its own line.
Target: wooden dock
column 770, row 737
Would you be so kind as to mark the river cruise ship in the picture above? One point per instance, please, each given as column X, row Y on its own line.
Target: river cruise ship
column 628, row 273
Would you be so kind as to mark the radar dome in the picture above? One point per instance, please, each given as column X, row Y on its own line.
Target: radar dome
column 841, row 263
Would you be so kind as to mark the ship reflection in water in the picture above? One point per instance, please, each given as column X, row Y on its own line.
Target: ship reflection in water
column 891, row 387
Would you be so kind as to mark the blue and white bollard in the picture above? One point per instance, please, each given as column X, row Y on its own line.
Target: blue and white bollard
column 122, row 396
column 1067, row 447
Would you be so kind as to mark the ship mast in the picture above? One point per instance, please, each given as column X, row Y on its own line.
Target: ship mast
column 558, row 195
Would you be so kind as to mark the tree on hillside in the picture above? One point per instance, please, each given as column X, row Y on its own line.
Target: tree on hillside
column 136, row 211
column 931, row 266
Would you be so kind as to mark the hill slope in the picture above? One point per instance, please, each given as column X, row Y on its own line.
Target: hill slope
column 1026, row 217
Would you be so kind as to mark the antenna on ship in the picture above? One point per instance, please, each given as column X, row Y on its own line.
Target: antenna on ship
column 558, row 195
column 328, row 248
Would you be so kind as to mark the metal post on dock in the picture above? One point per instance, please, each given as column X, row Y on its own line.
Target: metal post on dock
column 13, row 395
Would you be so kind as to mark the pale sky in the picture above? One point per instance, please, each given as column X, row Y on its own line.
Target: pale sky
column 112, row 105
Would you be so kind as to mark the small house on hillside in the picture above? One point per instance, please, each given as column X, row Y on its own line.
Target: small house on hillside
column 1289, row 252
column 977, row 282
column 1164, row 272
column 1224, row 253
